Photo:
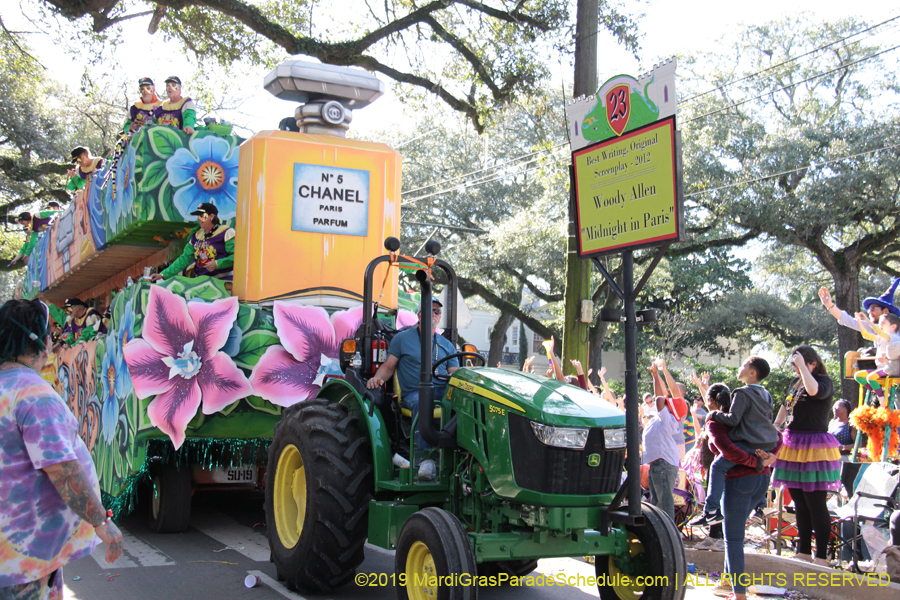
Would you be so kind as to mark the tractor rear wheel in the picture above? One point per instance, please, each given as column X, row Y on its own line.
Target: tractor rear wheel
column 432, row 546
column 654, row 550
column 318, row 487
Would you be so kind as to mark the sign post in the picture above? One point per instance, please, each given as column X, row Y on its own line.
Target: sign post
column 628, row 194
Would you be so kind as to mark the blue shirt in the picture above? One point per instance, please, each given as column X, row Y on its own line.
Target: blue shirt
column 406, row 347
column 659, row 440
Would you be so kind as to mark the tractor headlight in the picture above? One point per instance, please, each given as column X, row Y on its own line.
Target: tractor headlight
column 614, row 438
column 561, row 437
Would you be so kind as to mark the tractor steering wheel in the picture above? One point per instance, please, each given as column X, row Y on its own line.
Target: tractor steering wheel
column 446, row 378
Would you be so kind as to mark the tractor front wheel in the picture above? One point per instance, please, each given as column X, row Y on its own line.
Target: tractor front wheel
column 434, row 558
column 318, row 487
column 654, row 566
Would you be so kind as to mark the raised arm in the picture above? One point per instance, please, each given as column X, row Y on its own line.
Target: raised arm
column 670, row 381
column 583, row 381
column 702, row 386
column 608, row 394
column 659, row 388
column 809, row 382
column 554, row 362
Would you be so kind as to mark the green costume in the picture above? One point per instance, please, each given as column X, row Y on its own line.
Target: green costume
column 202, row 248
column 39, row 223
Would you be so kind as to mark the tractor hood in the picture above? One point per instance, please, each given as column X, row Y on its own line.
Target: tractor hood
column 538, row 398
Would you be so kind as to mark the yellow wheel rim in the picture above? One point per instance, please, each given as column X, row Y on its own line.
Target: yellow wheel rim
column 289, row 496
column 631, row 591
column 421, row 575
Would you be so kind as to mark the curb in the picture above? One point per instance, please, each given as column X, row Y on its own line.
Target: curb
column 817, row 582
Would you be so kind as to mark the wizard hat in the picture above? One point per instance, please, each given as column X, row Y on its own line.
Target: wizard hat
column 885, row 301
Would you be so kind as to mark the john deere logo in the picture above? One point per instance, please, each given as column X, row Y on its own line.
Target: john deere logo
column 593, row 460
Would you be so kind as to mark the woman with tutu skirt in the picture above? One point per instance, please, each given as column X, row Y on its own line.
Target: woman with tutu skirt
column 809, row 464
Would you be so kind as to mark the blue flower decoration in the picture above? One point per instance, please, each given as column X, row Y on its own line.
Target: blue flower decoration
column 205, row 173
column 97, row 198
column 109, row 376
column 124, row 333
column 122, row 197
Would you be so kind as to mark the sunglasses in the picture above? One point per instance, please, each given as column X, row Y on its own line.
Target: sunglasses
column 436, row 311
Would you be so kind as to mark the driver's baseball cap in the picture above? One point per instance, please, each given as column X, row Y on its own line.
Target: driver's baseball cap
column 434, row 301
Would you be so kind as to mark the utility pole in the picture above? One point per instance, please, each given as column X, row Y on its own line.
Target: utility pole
column 578, row 272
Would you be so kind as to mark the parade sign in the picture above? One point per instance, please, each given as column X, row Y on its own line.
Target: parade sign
column 330, row 200
column 627, row 190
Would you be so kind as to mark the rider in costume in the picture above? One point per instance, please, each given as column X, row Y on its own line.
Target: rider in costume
column 83, row 322
column 141, row 112
column 34, row 225
column 87, row 166
column 177, row 110
column 210, row 248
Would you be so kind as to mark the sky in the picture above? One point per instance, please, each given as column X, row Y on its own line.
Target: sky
column 669, row 27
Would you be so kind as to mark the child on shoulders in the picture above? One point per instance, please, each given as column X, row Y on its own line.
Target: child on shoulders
column 750, row 428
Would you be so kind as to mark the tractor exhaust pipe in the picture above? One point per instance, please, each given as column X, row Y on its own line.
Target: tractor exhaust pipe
column 438, row 439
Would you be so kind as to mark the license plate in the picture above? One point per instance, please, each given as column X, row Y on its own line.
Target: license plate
column 241, row 474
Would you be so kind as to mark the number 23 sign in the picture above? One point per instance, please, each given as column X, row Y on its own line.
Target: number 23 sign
column 618, row 107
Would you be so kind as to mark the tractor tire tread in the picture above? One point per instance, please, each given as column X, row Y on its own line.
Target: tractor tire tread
column 339, row 483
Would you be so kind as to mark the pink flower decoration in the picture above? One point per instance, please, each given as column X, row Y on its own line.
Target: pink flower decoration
column 295, row 370
column 178, row 360
column 406, row 318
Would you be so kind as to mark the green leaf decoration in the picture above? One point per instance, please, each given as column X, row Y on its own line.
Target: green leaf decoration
column 165, row 203
column 164, row 141
column 154, row 175
column 253, row 346
column 202, row 288
column 261, row 405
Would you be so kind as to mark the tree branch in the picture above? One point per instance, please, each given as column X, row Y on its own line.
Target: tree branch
column 460, row 47
column 531, row 287
column 471, row 287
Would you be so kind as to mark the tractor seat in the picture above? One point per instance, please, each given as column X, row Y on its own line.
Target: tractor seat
column 405, row 411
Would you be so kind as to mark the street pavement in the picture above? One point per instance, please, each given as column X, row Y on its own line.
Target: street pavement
column 226, row 542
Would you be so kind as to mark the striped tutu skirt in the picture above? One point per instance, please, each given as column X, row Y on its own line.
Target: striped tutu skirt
column 809, row 460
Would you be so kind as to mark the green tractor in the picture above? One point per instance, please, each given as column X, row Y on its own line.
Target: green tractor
column 529, row 468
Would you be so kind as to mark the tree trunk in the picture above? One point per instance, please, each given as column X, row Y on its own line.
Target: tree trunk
column 498, row 338
column 846, row 297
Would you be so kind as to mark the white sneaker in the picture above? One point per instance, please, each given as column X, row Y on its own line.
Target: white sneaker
column 704, row 544
column 718, row 546
column 427, row 470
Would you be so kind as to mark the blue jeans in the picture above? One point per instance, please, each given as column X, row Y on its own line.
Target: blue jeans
column 720, row 466
column 661, row 479
column 741, row 496
column 410, row 400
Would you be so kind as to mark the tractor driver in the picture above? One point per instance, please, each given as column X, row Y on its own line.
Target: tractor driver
column 404, row 357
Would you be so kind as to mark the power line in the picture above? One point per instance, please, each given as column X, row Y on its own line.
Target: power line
column 497, row 166
column 441, row 226
column 787, row 61
column 812, row 165
column 746, row 100
column 487, row 179
column 511, row 161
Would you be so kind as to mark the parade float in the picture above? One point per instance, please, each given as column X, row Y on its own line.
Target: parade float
column 186, row 387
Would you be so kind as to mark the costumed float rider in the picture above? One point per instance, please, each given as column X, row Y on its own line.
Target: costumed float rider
column 210, row 248
column 34, row 225
column 83, row 322
column 141, row 112
column 87, row 166
column 177, row 110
